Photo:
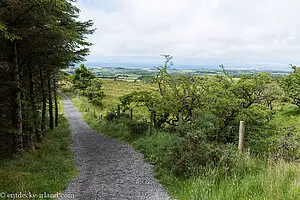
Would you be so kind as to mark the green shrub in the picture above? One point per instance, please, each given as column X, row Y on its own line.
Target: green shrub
column 159, row 148
column 93, row 92
column 259, row 129
column 137, row 128
column 117, row 128
column 123, row 116
column 110, row 116
column 291, row 84
column 288, row 144
column 231, row 163
column 194, row 153
column 66, row 86
column 82, row 77
column 203, row 121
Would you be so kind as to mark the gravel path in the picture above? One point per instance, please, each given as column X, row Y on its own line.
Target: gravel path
column 108, row 169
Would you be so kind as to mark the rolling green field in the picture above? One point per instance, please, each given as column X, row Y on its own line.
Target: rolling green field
column 251, row 178
column 112, row 90
column 115, row 89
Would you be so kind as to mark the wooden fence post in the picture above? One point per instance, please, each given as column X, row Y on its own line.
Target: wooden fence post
column 180, row 118
column 119, row 110
column 151, row 121
column 241, row 136
column 154, row 119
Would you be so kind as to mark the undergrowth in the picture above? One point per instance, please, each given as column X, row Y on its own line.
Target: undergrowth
column 234, row 177
column 46, row 170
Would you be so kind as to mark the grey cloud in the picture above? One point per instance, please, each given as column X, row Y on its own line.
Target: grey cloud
column 244, row 31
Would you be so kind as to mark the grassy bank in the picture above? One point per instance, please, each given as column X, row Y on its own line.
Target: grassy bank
column 235, row 177
column 48, row 169
column 250, row 178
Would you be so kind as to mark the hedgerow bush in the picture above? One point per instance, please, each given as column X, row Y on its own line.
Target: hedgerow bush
column 194, row 153
column 93, row 92
column 288, row 144
column 137, row 128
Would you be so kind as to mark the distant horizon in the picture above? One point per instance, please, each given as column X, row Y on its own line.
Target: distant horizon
column 180, row 65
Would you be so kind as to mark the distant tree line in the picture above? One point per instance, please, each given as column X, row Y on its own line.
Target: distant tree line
column 38, row 38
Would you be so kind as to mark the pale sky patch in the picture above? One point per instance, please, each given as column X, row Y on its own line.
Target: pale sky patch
column 236, row 32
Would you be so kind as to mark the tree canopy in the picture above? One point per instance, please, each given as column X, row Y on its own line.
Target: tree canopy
column 82, row 77
column 38, row 38
column 291, row 85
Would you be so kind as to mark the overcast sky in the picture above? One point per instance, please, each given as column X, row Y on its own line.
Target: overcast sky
column 233, row 32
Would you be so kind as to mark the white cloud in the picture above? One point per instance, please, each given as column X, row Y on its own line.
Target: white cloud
column 240, row 32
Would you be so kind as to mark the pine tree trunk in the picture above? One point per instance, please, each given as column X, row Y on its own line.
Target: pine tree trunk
column 44, row 102
column 31, row 134
column 36, row 136
column 55, row 102
column 17, row 108
column 51, row 123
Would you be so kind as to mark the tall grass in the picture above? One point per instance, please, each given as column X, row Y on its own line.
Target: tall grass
column 278, row 180
column 251, row 178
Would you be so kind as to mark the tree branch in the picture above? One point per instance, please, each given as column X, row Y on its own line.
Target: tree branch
column 20, row 15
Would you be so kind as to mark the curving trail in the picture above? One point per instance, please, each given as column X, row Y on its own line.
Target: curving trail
column 108, row 169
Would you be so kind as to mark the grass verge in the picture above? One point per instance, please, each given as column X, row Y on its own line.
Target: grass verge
column 47, row 170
